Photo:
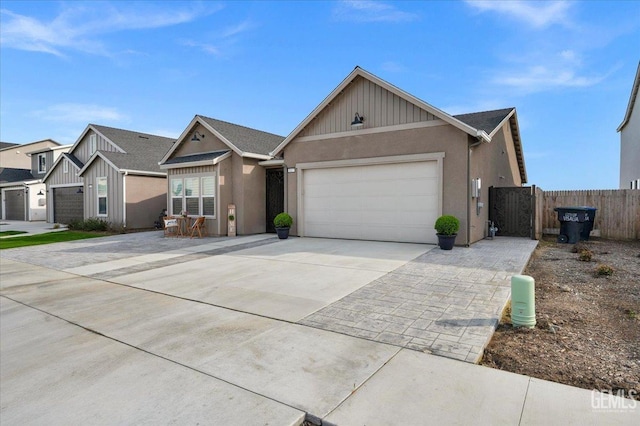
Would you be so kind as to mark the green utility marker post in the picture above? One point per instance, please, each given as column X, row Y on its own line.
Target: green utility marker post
column 523, row 301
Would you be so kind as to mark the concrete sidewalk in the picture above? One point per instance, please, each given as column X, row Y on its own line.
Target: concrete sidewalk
column 77, row 348
column 28, row 228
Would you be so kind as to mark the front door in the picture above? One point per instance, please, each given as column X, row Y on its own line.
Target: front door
column 275, row 196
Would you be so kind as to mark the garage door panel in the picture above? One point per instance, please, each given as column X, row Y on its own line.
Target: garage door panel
column 387, row 202
column 68, row 205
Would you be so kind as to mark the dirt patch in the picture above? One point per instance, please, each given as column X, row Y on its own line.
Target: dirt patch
column 588, row 322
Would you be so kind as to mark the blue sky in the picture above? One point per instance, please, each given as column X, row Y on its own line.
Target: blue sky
column 567, row 67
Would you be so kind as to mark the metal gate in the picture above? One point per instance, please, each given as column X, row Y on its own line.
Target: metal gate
column 513, row 210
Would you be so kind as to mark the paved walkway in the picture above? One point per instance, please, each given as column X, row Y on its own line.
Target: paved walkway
column 444, row 302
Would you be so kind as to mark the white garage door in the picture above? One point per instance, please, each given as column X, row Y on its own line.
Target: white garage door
column 382, row 202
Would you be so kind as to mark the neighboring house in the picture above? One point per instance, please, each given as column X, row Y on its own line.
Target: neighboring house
column 630, row 140
column 23, row 193
column 14, row 155
column 373, row 162
column 110, row 174
column 214, row 164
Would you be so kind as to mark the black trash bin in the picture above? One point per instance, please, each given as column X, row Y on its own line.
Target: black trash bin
column 575, row 223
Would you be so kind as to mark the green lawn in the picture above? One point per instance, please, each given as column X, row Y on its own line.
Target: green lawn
column 48, row 238
column 6, row 233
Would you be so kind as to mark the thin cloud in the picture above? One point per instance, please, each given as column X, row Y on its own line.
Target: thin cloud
column 392, row 67
column 536, row 14
column 205, row 47
column 370, row 11
column 80, row 113
column 227, row 36
column 78, row 27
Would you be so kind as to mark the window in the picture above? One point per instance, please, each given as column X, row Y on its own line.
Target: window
column 42, row 163
column 194, row 194
column 93, row 144
column 101, row 184
column 209, row 196
column 176, row 196
column 65, row 166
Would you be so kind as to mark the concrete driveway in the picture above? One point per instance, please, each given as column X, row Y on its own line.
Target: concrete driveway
column 138, row 328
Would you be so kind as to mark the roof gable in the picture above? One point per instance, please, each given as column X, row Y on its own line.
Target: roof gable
column 244, row 141
column 632, row 99
column 401, row 95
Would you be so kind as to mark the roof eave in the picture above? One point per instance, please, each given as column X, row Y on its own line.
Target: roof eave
column 196, row 163
column 632, row 99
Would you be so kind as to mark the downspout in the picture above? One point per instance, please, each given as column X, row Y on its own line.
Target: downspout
column 124, row 199
column 471, row 146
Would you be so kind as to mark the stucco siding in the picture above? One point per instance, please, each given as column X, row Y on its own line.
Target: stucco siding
column 630, row 149
column 146, row 197
column 16, row 156
column 444, row 138
column 254, row 184
column 378, row 106
column 225, row 196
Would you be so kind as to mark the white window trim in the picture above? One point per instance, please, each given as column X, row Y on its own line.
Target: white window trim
column 93, row 144
column 106, row 197
column 200, row 196
column 44, row 169
column 65, row 166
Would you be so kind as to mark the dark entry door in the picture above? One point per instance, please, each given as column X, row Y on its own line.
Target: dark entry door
column 275, row 196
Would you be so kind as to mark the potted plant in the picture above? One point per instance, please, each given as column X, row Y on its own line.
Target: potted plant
column 283, row 222
column 447, row 230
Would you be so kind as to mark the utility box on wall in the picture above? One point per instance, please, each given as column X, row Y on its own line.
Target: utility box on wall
column 231, row 220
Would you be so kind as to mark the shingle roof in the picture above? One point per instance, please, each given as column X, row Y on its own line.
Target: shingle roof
column 74, row 160
column 4, row 145
column 8, row 174
column 197, row 157
column 486, row 120
column 245, row 138
column 142, row 150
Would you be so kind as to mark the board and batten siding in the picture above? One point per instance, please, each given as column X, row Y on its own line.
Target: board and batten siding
column 378, row 106
column 99, row 168
column 82, row 151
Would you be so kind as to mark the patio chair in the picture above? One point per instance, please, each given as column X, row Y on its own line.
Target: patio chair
column 199, row 226
column 171, row 227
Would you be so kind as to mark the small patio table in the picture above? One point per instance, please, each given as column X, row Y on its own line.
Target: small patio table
column 184, row 223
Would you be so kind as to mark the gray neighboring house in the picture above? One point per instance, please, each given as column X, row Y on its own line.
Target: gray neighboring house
column 630, row 140
column 111, row 174
column 23, row 193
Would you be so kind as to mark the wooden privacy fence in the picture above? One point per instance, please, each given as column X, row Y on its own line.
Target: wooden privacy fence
column 617, row 217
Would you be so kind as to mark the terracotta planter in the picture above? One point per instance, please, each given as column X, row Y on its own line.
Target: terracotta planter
column 446, row 242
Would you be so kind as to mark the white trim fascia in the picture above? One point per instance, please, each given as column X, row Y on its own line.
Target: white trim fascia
column 92, row 159
column 632, row 99
column 222, row 138
column 499, row 126
column 141, row 173
column 274, row 162
column 67, row 185
column 411, row 158
column 10, row 186
column 374, row 130
column 110, row 141
column 179, row 141
column 55, row 164
column 124, row 199
column 197, row 163
column 391, row 88
column 256, row 156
